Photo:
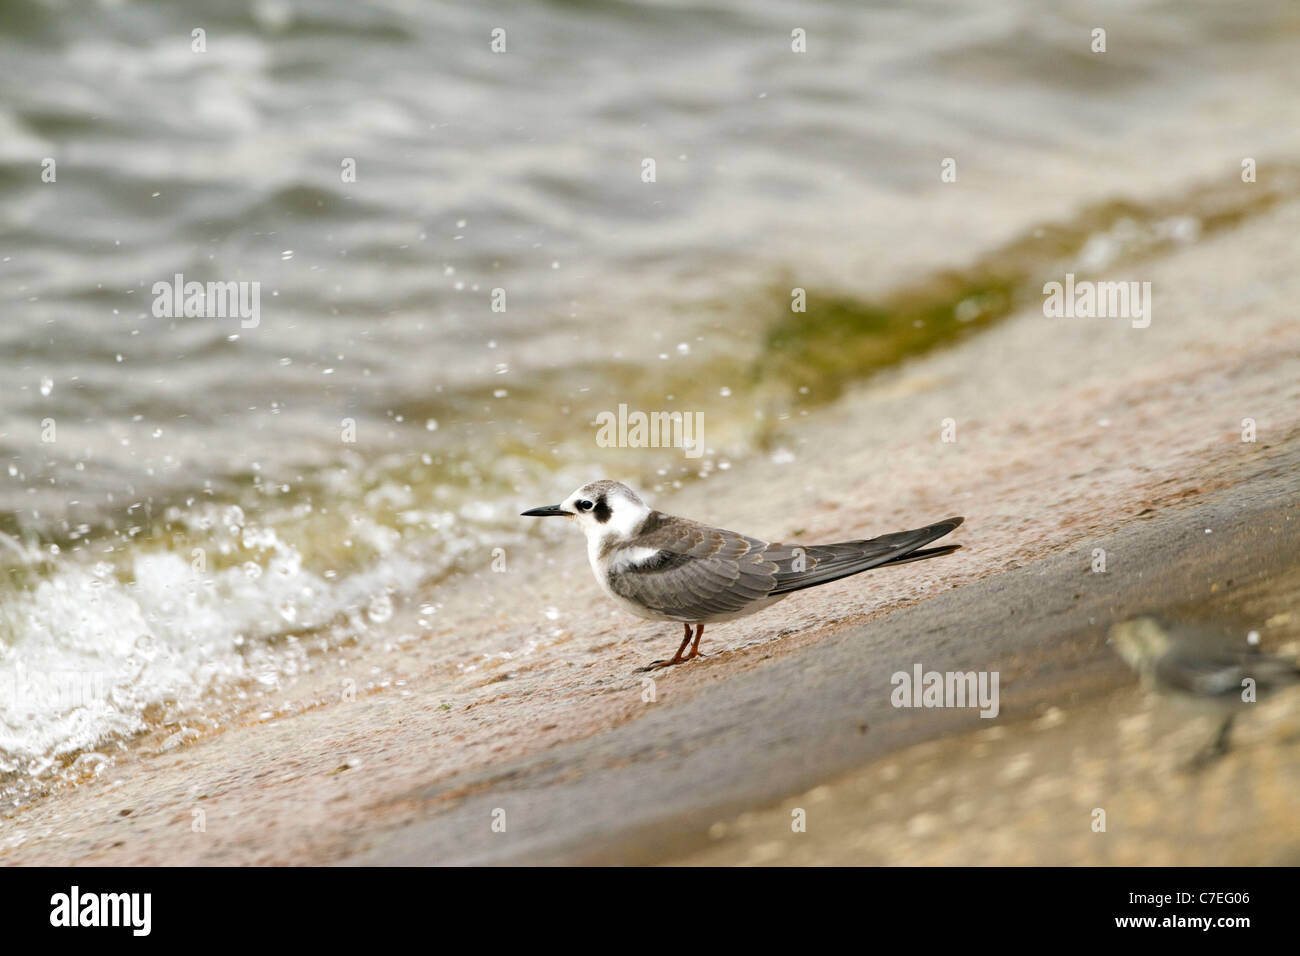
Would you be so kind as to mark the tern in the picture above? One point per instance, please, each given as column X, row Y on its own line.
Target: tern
column 1201, row 667
column 664, row 568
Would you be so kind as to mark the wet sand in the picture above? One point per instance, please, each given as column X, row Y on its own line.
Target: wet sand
column 1071, row 435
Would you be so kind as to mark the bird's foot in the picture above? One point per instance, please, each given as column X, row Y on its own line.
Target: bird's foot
column 1206, row 756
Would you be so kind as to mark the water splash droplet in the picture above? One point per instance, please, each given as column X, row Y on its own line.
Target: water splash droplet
column 380, row 609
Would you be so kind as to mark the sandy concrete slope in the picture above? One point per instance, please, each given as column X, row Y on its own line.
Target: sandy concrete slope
column 1069, row 432
column 661, row 785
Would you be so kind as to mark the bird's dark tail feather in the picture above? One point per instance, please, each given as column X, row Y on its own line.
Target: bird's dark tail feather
column 830, row 562
column 921, row 555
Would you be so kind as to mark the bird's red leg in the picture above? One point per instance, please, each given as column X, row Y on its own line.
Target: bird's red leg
column 677, row 658
column 695, row 648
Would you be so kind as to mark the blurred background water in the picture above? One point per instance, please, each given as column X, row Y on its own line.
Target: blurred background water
column 198, row 508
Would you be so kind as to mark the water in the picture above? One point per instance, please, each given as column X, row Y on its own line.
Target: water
column 183, row 517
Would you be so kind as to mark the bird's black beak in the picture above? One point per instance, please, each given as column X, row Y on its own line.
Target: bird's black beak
column 549, row 511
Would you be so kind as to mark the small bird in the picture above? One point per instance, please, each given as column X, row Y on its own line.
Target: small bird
column 1200, row 666
column 664, row 568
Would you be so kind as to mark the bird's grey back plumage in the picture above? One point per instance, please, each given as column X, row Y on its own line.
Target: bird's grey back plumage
column 1209, row 672
column 697, row 572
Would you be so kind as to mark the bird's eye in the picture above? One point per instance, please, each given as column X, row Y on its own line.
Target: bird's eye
column 583, row 505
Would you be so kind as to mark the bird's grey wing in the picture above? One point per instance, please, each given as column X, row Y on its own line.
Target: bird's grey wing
column 1198, row 674
column 804, row 566
column 695, row 573
column 1220, row 674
